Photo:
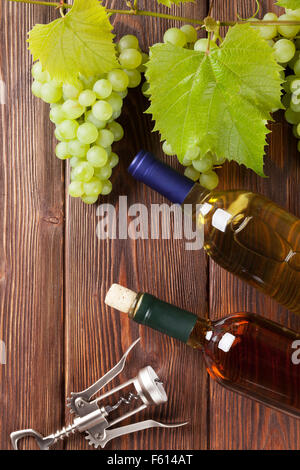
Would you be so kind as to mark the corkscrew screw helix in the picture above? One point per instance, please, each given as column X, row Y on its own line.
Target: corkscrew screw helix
column 91, row 417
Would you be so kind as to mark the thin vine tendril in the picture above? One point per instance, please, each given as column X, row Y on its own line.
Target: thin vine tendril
column 254, row 15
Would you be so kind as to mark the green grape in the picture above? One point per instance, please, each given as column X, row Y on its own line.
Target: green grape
column 97, row 156
column 203, row 164
column 191, row 173
column 267, row 32
column 135, row 78
column 297, row 67
column 55, row 83
column 107, row 149
column 87, row 98
column 88, row 82
column 106, row 188
column 292, row 62
column 57, row 115
column 192, row 153
column 104, row 172
column 36, row 88
column 105, row 138
column 284, row 50
column 89, row 199
column 76, row 189
column 123, row 94
column 167, row 149
column 295, row 99
column 58, row 134
column 93, row 187
column 209, row 180
column 38, row 73
column 186, row 162
column 77, row 149
column 115, row 115
column 102, row 88
column 62, row 151
column 50, row 93
column 145, row 89
column 142, row 68
column 270, row 42
column 128, row 42
column 84, row 171
column 68, row 129
column 294, row 84
column 190, row 32
column 298, row 130
column 89, row 117
column 113, row 160
column 291, row 117
column 87, row 133
column 175, row 36
column 73, row 109
column 287, row 83
column 130, row 59
column 202, row 44
column 71, row 92
column 74, row 161
column 286, row 30
column 102, row 110
column 117, row 130
column 115, row 101
column 119, row 79
column 295, row 13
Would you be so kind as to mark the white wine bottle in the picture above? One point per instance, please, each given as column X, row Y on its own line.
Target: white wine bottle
column 244, row 232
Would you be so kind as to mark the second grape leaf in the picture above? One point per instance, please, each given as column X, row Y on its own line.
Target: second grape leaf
column 219, row 101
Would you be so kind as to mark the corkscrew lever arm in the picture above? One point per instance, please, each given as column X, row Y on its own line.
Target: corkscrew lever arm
column 121, row 431
column 108, row 377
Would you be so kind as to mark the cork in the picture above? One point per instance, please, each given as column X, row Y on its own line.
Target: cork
column 120, row 298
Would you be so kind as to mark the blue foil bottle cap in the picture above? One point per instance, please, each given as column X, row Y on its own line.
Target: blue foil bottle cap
column 147, row 168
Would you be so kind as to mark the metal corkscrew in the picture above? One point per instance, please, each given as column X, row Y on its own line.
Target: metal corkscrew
column 92, row 416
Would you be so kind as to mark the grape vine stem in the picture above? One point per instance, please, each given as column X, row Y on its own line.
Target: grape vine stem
column 162, row 15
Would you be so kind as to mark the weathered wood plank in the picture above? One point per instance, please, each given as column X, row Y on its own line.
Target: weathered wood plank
column 236, row 422
column 96, row 336
column 31, row 267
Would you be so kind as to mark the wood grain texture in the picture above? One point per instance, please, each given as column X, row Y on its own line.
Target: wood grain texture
column 96, row 337
column 55, row 272
column 237, row 422
column 31, row 266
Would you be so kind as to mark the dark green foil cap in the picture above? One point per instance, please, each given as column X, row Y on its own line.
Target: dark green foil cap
column 164, row 317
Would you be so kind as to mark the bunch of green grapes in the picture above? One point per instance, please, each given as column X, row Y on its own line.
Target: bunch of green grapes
column 285, row 41
column 85, row 114
column 198, row 167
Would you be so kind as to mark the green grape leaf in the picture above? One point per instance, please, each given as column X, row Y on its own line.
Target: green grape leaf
column 291, row 4
column 169, row 3
column 220, row 101
column 80, row 42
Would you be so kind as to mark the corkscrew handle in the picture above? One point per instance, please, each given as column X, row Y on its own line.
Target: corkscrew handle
column 43, row 442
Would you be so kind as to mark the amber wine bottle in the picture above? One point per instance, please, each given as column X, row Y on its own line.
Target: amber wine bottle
column 245, row 233
column 243, row 352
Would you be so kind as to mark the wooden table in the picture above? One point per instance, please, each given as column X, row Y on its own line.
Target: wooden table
column 55, row 272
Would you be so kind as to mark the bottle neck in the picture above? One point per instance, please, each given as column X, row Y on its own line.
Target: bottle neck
column 159, row 176
column 197, row 195
column 169, row 319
